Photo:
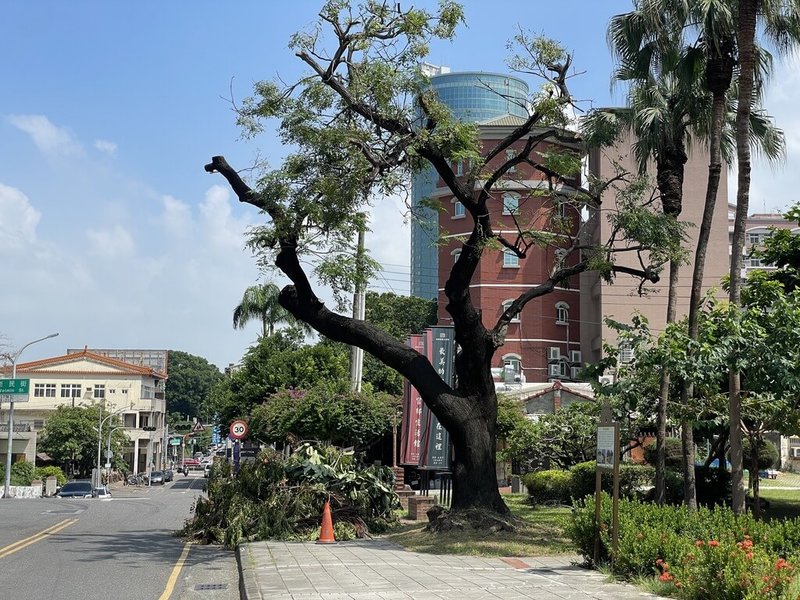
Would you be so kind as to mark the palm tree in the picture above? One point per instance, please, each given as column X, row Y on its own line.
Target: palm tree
column 261, row 302
column 650, row 42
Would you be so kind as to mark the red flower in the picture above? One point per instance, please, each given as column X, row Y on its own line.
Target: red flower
column 699, row 543
column 665, row 577
column 713, row 543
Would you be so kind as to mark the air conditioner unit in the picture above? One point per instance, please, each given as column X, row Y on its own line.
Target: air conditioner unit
column 555, row 370
column 606, row 380
column 796, row 452
column 575, row 356
column 553, row 353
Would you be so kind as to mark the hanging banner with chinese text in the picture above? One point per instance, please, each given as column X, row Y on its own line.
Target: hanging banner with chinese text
column 411, row 427
column 440, row 350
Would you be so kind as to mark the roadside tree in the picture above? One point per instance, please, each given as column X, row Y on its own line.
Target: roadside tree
column 358, row 125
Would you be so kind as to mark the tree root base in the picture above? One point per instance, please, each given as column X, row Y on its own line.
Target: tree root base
column 440, row 520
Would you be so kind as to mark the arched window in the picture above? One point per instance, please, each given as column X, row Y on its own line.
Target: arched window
column 510, row 204
column 506, row 305
column 458, row 209
column 512, row 363
column 510, row 259
column 562, row 313
column 456, row 253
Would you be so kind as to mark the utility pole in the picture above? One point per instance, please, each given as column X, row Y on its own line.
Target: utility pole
column 356, row 353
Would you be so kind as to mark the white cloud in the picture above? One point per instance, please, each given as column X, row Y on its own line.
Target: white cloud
column 106, row 147
column 177, row 217
column 111, row 244
column 222, row 227
column 49, row 139
column 18, row 218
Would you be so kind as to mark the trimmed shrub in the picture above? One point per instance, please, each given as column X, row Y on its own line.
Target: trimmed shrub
column 21, row 473
column 674, row 453
column 549, row 486
column 708, row 553
column 767, row 454
column 635, row 481
column 45, row 472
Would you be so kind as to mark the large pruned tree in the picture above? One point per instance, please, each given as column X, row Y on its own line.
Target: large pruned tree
column 358, row 124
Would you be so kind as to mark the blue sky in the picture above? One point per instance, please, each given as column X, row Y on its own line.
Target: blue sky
column 113, row 235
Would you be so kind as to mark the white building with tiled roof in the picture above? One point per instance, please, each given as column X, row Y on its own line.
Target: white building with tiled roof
column 135, row 393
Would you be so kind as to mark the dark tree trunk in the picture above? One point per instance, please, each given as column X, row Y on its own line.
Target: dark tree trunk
column 748, row 9
column 718, row 75
column 663, row 399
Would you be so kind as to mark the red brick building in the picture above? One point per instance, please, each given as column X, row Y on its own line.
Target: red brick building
column 543, row 343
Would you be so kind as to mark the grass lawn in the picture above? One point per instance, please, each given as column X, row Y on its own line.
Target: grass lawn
column 542, row 534
column 783, row 504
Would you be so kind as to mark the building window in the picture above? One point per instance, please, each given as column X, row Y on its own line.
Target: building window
column 458, row 210
column 99, row 391
column 554, row 353
column 625, row 352
column 44, row 390
column 574, row 372
column 575, row 356
column 562, row 313
column 511, row 155
column 456, row 254
column 506, row 305
column 561, row 207
column 513, row 363
column 510, row 259
column 70, row 390
column 129, row 420
column 459, row 168
column 144, row 420
column 510, row 204
column 124, row 390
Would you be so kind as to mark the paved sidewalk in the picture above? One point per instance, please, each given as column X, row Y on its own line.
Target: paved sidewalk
column 380, row 570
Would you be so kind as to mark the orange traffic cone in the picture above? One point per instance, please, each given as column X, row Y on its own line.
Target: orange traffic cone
column 326, row 532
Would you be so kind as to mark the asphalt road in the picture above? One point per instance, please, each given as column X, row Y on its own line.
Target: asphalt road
column 122, row 548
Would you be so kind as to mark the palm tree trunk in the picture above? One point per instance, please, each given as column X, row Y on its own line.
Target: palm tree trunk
column 663, row 399
column 748, row 9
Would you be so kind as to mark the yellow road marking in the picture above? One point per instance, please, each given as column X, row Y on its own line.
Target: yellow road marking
column 176, row 570
column 16, row 546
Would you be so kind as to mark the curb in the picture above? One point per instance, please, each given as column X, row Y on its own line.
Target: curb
column 248, row 582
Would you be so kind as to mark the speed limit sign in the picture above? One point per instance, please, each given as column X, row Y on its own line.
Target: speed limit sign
column 238, row 429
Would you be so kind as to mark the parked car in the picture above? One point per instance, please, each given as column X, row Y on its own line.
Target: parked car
column 102, row 492
column 168, row 475
column 207, row 470
column 156, row 478
column 79, row 488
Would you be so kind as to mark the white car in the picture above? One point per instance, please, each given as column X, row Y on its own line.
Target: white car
column 102, row 493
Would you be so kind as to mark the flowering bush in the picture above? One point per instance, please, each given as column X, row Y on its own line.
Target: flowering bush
column 708, row 554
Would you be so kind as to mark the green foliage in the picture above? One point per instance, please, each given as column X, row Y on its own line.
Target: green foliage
column 277, row 498
column 21, row 473
column 70, row 438
column 190, row 381
column 635, row 481
column 767, row 453
column 275, row 363
column 564, row 438
column 549, row 486
column 45, row 472
column 673, row 449
column 326, row 412
column 708, row 553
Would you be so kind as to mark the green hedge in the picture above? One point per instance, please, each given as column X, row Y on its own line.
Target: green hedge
column 549, row 486
column 635, row 481
column 708, row 553
column 21, row 473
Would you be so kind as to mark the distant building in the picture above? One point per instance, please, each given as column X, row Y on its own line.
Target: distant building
column 88, row 378
column 472, row 97
column 620, row 300
column 757, row 228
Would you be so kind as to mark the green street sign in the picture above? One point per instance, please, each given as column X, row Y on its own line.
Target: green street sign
column 176, row 441
column 15, row 386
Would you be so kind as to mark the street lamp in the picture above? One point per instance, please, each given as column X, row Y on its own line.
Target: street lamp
column 102, row 421
column 14, row 357
column 111, row 430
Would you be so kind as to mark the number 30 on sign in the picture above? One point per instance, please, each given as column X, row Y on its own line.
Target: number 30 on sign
column 238, row 429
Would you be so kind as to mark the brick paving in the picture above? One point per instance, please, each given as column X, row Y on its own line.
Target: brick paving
column 380, row 570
